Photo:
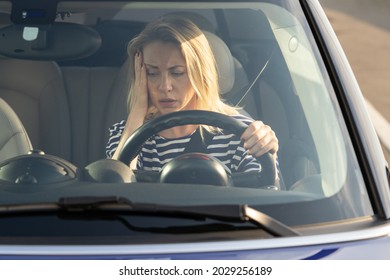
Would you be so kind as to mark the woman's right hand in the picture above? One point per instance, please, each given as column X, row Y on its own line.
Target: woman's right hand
column 139, row 105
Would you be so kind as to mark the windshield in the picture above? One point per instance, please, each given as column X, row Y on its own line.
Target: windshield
column 269, row 67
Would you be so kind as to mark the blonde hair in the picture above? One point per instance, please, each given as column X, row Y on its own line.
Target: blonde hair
column 199, row 57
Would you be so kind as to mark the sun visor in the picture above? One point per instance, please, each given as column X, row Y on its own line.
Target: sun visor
column 57, row 41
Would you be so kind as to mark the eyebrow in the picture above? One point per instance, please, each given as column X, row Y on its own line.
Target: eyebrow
column 170, row 68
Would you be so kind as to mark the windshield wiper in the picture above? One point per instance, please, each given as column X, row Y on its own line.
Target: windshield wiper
column 228, row 213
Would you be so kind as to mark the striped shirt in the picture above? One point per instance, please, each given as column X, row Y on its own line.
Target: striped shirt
column 157, row 151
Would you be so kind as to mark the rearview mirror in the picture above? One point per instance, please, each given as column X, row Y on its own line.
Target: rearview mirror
column 56, row 41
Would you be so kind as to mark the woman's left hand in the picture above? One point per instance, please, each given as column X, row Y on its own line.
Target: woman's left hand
column 259, row 139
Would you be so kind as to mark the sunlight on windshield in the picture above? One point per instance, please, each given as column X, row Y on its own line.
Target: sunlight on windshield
column 313, row 94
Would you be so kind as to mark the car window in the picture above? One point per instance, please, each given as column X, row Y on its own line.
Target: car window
column 279, row 78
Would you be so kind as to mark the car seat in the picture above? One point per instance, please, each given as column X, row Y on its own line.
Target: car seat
column 14, row 140
column 35, row 90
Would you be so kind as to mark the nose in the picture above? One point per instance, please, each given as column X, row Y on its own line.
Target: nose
column 166, row 83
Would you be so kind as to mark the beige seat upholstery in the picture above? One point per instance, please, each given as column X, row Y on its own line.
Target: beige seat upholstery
column 14, row 140
column 35, row 90
column 92, row 91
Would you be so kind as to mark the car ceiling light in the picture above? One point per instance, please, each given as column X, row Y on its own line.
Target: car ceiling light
column 30, row 33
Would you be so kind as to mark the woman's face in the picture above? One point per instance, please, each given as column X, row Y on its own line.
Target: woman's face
column 169, row 87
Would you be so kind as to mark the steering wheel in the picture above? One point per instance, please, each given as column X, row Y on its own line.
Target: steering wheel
column 133, row 144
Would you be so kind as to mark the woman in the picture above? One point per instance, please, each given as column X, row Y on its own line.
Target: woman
column 173, row 70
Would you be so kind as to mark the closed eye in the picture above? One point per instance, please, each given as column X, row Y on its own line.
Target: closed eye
column 152, row 73
column 177, row 73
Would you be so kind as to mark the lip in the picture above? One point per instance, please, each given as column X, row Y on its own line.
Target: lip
column 167, row 102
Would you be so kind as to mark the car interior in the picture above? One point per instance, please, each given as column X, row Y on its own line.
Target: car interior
column 64, row 82
column 67, row 100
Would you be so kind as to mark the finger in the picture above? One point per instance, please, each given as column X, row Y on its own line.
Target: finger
column 136, row 59
column 267, row 145
column 262, row 140
column 252, row 128
column 140, row 70
column 139, row 88
column 259, row 143
column 137, row 63
column 255, row 134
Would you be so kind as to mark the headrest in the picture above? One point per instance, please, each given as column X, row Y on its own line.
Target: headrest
column 224, row 61
column 28, row 76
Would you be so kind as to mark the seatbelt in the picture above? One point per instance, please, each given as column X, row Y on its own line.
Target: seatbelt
column 236, row 99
